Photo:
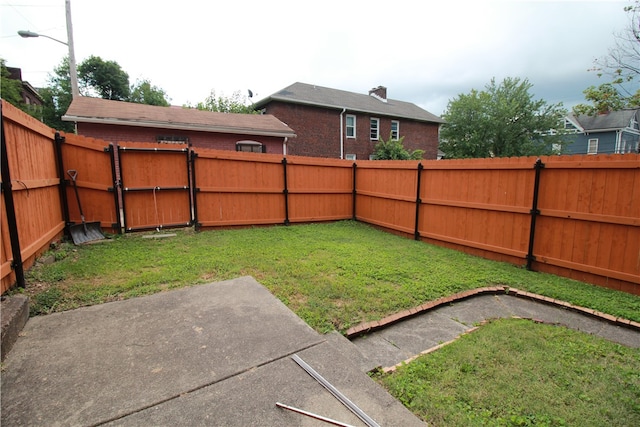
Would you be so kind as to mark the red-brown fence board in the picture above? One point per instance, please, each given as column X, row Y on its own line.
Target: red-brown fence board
column 87, row 156
column 6, row 256
column 590, row 216
column 481, row 205
column 35, row 187
column 239, row 188
column 386, row 194
column 156, row 187
column 319, row 189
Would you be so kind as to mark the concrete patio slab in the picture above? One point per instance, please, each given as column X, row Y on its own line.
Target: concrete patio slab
column 216, row 354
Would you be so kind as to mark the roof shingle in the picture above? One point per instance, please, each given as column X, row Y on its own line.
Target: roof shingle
column 97, row 110
column 303, row 93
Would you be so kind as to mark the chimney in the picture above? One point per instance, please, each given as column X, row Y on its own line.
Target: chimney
column 379, row 92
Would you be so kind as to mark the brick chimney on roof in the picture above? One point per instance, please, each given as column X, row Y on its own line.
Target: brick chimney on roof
column 379, row 92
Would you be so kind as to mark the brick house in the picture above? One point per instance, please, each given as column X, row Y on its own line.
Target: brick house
column 30, row 95
column 340, row 124
column 115, row 121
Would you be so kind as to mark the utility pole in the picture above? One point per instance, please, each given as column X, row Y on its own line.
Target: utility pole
column 73, row 72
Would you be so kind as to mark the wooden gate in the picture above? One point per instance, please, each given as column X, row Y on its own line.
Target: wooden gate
column 156, row 177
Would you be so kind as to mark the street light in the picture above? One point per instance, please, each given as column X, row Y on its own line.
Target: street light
column 73, row 72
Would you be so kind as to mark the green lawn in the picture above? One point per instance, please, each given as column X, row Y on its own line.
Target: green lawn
column 336, row 275
column 333, row 275
column 518, row 373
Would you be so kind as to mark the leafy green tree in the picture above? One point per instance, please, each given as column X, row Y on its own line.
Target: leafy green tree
column 105, row 78
column 237, row 103
column 393, row 149
column 606, row 98
column 97, row 77
column 57, row 97
column 501, row 121
column 11, row 89
column 143, row 92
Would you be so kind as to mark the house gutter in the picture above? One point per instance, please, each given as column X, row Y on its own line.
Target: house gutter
column 342, row 134
column 284, row 145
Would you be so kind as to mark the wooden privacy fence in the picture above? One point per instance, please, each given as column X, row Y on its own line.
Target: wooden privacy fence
column 573, row 216
column 250, row 189
column 576, row 216
column 31, row 200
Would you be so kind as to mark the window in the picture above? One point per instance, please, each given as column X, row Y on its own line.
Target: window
column 351, row 126
column 350, row 156
column 172, row 139
column 395, row 130
column 250, row 147
column 592, row 148
column 374, row 133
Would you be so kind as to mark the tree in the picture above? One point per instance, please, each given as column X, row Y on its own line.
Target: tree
column 622, row 63
column 606, row 98
column 57, row 98
column 222, row 104
column 393, row 149
column 501, row 121
column 106, row 78
column 11, row 89
column 143, row 92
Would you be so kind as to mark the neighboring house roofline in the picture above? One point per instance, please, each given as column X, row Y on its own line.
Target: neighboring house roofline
column 169, row 125
column 609, row 122
column 32, row 90
column 103, row 111
column 335, row 99
column 575, row 123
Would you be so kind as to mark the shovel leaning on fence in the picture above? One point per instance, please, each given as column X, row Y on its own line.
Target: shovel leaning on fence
column 87, row 231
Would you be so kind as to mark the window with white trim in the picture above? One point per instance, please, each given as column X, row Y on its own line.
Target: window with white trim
column 350, row 156
column 395, row 130
column 351, row 126
column 374, row 132
column 250, row 147
column 592, row 147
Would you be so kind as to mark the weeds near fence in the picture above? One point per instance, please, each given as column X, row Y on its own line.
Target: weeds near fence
column 333, row 275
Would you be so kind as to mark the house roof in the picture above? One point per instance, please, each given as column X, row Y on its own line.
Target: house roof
column 104, row 111
column 614, row 120
column 307, row 94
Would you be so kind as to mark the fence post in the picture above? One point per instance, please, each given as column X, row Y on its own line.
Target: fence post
column 285, row 192
column 354, row 190
column 11, row 211
column 416, row 233
column 538, row 166
column 194, row 190
column 59, row 140
column 116, row 188
column 122, row 190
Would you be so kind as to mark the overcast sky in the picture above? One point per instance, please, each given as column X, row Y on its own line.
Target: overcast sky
column 425, row 52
